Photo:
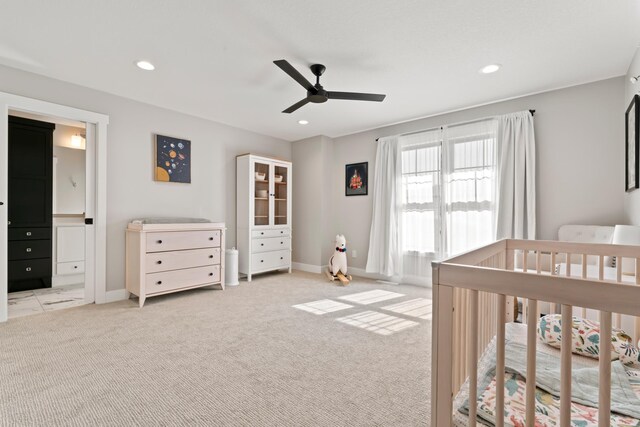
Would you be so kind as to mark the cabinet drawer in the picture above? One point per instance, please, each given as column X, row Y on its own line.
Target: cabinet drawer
column 278, row 232
column 269, row 260
column 28, row 233
column 176, row 240
column 163, row 261
column 29, row 269
column 176, row 279
column 29, row 249
column 63, row 268
column 271, row 244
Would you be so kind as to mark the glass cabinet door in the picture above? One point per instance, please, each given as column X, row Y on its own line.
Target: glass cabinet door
column 262, row 174
column 281, row 195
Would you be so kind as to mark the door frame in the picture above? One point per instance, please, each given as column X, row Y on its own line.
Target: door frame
column 96, row 255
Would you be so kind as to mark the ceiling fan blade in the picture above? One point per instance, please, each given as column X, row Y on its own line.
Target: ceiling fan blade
column 295, row 74
column 354, row 96
column 297, row 105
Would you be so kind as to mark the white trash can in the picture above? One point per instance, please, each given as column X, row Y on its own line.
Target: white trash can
column 231, row 267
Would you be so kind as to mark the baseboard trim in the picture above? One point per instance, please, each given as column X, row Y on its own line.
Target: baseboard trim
column 309, row 268
column 117, row 295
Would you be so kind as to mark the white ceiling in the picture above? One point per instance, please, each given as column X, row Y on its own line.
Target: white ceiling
column 214, row 57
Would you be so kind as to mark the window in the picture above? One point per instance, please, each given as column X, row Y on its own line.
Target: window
column 448, row 179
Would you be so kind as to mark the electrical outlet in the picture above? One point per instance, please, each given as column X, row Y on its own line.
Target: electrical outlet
column 354, row 254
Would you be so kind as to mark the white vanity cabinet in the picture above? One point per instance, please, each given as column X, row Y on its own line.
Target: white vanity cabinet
column 263, row 214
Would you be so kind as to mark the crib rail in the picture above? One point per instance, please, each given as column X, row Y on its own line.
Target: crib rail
column 473, row 299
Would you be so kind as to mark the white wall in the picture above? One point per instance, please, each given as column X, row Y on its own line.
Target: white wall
column 631, row 199
column 312, row 200
column 580, row 171
column 131, row 191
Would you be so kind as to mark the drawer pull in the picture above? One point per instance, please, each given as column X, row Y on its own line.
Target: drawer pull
column 28, row 233
column 282, row 232
column 262, row 233
column 27, row 269
column 159, row 282
column 210, row 238
column 261, row 244
column 28, row 249
column 210, row 274
column 159, row 242
column 261, row 260
column 158, row 262
column 282, row 243
column 281, row 258
column 210, row 256
column 75, row 266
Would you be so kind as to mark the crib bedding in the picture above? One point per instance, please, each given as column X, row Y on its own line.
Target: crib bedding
column 625, row 388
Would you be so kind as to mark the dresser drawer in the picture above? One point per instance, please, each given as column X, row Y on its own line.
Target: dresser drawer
column 271, row 244
column 163, row 261
column 177, row 240
column 279, row 232
column 29, row 249
column 270, row 260
column 29, row 269
column 27, row 233
column 176, row 279
column 63, row 268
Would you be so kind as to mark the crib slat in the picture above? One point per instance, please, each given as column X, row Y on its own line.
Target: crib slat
column 568, row 263
column 565, row 366
column 500, row 355
column 552, row 269
column 530, row 387
column 619, row 269
column 604, row 371
column 538, row 263
column 601, row 268
column 524, row 261
column 472, row 356
column 584, row 266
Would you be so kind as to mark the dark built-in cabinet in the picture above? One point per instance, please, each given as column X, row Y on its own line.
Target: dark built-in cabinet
column 30, row 203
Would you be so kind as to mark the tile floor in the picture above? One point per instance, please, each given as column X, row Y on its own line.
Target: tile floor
column 48, row 299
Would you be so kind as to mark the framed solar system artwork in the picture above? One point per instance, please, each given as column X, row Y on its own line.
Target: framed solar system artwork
column 173, row 159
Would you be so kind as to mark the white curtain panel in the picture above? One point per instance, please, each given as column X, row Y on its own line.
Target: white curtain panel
column 421, row 240
column 468, row 176
column 516, row 186
column 385, row 251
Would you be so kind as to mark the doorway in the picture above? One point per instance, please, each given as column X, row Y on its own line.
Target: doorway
column 78, row 233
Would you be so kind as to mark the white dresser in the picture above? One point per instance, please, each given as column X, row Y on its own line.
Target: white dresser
column 263, row 214
column 165, row 258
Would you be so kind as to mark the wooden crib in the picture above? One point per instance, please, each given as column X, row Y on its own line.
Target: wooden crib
column 473, row 300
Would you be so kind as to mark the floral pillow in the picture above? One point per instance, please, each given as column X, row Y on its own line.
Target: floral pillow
column 585, row 337
column 630, row 355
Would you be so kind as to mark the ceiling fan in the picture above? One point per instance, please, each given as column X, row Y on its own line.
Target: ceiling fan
column 316, row 93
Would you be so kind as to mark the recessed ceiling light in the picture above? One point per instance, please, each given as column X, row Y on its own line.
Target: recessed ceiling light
column 303, row 122
column 491, row 68
column 146, row 65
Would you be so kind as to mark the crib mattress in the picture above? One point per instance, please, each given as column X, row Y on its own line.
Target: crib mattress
column 516, row 333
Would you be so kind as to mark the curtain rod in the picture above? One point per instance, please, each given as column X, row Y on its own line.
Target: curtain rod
column 533, row 112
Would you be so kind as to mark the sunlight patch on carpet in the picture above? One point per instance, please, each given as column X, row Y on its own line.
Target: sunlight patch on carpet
column 419, row 307
column 322, row 306
column 378, row 323
column 371, row 297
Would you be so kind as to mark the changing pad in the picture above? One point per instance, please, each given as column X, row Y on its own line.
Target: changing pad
column 169, row 220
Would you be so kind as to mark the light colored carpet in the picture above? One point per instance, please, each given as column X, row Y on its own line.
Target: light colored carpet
column 242, row 357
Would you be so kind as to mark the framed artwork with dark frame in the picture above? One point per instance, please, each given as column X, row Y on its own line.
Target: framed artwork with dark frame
column 173, row 159
column 631, row 181
column 356, row 179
